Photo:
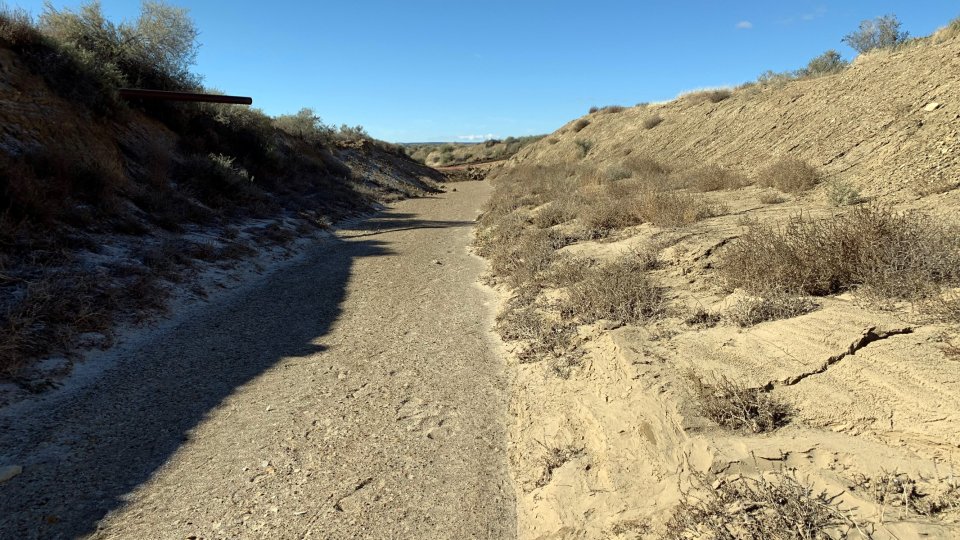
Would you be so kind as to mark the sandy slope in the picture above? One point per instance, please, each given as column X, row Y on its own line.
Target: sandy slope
column 355, row 394
column 605, row 452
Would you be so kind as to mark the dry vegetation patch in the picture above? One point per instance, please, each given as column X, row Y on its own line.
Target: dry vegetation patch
column 619, row 291
column 738, row 407
column 775, row 506
column 901, row 493
column 753, row 310
column 652, row 121
column 703, row 96
column 713, row 178
column 789, row 174
column 901, row 255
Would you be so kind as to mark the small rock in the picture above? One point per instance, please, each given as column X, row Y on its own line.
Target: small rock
column 931, row 106
column 8, row 472
column 436, row 262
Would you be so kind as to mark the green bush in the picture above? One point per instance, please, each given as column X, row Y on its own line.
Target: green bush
column 825, row 64
column 880, row 33
column 305, row 125
column 155, row 51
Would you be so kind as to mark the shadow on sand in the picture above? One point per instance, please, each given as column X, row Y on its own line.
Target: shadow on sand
column 83, row 453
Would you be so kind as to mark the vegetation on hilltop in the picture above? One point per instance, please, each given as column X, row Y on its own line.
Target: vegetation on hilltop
column 451, row 154
column 86, row 169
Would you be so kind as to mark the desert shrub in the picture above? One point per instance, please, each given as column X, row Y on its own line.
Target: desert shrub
column 905, row 493
column 770, row 77
column 621, row 291
column 583, row 146
column 554, row 213
column 155, row 51
column 754, row 310
column 775, row 506
column 617, row 172
column 651, row 122
column 713, row 96
column 602, row 213
column 646, row 167
column 525, row 259
column 611, row 109
column 76, row 76
column 306, row 125
column 703, row 318
column 789, row 174
column 539, row 336
column 842, row 193
column 735, row 406
column 826, row 64
column 593, row 109
column 673, row 209
column 713, row 178
column 771, row 197
column 50, row 185
column 580, row 124
column 879, row 33
column 904, row 255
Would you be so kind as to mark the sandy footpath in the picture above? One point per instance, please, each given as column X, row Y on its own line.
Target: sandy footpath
column 356, row 393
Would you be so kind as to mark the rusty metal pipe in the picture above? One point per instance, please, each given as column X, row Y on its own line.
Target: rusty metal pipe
column 165, row 95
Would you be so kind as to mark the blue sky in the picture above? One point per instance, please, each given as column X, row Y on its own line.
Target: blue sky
column 437, row 70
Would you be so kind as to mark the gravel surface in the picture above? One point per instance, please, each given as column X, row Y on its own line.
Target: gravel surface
column 356, row 393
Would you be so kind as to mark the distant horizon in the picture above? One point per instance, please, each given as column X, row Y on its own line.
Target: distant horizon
column 431, row 71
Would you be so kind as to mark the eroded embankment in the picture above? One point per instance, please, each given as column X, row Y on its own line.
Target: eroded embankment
column 659, row 393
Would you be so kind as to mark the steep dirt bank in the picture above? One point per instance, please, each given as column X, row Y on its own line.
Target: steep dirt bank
column 888, row 125
column 106, row 216
column 355, row 394
column 610, row 432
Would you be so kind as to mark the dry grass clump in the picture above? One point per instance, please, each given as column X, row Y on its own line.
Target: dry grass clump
column 620, row 291
column 611, row 109
column 554, row 213
column 902, row 255
column 524, row 260
column 909, row 495
column 737, row 407
column 646, row 167
column 653, row 121
column 713, row 178
column 703, row 318
column 713, row 96
column 771, row 197
column 842, row 193
column 673, row 209
column 789, row 174
column 580, row 124
column 751, row 311
column 53, row 310
column 539, row 335
column 583, row 146
column 774, row 506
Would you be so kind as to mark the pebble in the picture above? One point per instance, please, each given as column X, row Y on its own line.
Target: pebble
column 931, row 106
column 8, row 472
column 436, row 261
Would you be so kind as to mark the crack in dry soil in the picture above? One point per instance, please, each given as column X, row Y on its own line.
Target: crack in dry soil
column 869, row 335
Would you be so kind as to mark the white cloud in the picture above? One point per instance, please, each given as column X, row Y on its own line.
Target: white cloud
column 744, row 25
column 475, row 138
